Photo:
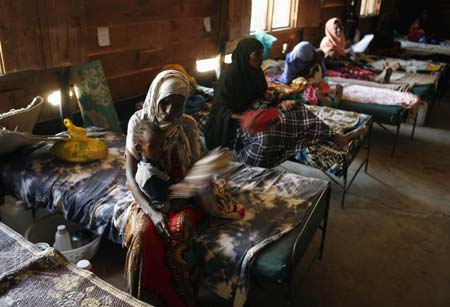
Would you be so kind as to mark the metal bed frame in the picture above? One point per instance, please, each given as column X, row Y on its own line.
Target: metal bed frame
column 346, row 183
column 397, row 133
column 261, row 293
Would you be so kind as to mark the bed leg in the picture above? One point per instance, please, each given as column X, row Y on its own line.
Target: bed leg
column 344, row 191
column 414, row 126
column 396, row 138
column 324, row 226
column 369, row 146
column 430, row 109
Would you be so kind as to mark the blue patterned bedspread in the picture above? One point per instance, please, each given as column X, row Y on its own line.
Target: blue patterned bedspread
column 93, row 195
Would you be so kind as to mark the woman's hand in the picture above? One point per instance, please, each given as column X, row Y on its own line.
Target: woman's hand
column 287, row 105
column 269, row 95
column 159, row 220
column 236, row 116
column 182, row 190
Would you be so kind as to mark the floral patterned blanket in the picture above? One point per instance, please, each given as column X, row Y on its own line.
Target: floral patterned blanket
column 29, row 277
column 93, row 195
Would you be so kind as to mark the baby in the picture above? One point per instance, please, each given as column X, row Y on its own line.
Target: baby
column 151, row 176
column 166, row 196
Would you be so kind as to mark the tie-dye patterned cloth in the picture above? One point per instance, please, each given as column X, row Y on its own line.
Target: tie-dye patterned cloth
column 96, row 196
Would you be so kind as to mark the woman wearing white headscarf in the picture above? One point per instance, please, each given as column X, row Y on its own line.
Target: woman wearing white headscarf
column 159, row 241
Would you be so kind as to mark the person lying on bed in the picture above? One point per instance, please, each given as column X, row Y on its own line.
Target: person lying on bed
column 239, row 86
column 164, row 236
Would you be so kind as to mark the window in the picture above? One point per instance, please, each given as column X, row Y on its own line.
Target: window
column 207, row 64
column 271, row 15
column 370, row 7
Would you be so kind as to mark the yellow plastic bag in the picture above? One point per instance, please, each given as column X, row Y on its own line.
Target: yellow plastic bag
column 79, row 148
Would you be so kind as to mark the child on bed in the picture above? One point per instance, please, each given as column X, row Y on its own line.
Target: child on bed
column 151, row 175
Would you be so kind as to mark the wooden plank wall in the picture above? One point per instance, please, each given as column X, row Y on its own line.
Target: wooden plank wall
column 144, row 35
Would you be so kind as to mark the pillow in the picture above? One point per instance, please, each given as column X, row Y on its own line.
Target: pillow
column 22, row 120
column 94, row 97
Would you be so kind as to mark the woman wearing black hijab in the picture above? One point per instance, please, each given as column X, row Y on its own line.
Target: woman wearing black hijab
column 241, row 83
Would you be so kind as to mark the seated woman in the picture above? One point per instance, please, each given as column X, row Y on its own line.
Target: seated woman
column 383, row 43
column 419, row 31
column 416, row 30
column 157, row 253
column 333, row 45
column 239, row 86
column 299, row 62
column 307, row 61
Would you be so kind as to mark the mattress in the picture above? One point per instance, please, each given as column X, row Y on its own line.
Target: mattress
column 92, row 195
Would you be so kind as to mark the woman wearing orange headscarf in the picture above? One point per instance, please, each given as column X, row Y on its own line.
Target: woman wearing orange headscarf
column 333, row 44
column 195, row 102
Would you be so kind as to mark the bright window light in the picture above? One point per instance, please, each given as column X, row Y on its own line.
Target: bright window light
column 208, row 64
column 228, row 59
column 55, row 98
column 281, row 14
column 258, row 19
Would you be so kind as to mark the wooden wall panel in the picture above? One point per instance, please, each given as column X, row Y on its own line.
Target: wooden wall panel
column 144, row 36
column 308, row 14
column 239, row 19
column 147, row 34
column 113, row 12
column 20, row 36
column 63, row 32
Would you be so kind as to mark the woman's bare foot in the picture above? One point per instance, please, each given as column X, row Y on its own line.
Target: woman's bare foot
column 323, row 98
column 343, row 140
column 385, row 76
column 338, row 93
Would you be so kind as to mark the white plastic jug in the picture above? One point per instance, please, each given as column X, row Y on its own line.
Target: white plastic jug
column 14, row 214
column 62, row 239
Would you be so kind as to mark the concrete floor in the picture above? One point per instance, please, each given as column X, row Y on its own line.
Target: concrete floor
column 390, row 246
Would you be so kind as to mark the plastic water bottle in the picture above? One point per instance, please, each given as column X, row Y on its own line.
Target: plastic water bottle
column 62, row 239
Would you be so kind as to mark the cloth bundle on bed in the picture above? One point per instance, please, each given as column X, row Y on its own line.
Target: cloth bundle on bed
column 410, row 66
column 343, row 81
column 426, row 49
column 96, row 196
column 364, row 94
column 30, row 277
